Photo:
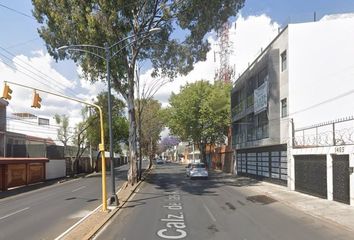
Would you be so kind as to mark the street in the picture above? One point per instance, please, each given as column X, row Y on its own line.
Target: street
column 48, row 212
column 170, row 206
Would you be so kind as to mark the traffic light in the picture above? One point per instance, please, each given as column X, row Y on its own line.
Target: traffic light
column 36, row 100
column 7, row 92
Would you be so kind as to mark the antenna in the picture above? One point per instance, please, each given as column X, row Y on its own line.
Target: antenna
column 225, row 72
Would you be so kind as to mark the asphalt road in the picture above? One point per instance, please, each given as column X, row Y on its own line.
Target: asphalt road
column 48, row 212
column 170, row 206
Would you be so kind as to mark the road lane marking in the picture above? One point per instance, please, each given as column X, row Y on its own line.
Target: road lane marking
column 18, row 211
column 81, row 220
column 209, row 212
column 73, row 226
column 77, row 189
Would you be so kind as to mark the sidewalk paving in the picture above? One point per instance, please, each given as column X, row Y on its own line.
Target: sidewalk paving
column 332, row 211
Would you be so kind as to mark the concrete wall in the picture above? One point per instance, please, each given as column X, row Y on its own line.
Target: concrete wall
column 320, row 70
column 278, row 89
column 55, row 169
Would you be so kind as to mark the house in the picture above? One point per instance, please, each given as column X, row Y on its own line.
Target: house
column 290, row 108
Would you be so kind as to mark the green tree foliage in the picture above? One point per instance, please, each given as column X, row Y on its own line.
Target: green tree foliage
column 98, row 21
column 200, row 113
column 119, row 123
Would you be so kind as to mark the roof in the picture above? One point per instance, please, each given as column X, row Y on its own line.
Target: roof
column 12, row 160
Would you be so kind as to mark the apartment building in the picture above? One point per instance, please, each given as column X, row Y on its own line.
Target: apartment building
column 288, row 96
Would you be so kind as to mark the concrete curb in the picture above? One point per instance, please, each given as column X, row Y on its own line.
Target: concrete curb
column 98, row 219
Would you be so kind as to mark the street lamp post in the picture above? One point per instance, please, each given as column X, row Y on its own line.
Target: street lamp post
column 107, row 56
column 113, row 200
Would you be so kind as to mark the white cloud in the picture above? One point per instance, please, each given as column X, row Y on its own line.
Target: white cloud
column 37, row 71
column 251, row 34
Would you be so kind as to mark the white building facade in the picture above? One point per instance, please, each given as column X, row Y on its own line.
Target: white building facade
column 291, row 110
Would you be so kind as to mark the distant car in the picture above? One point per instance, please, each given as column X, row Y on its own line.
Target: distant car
column 159, row 161
column 197, row 170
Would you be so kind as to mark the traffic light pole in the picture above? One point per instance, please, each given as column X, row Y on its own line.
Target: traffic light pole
column 101, row 145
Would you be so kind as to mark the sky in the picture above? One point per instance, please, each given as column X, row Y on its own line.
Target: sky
column 24, row 59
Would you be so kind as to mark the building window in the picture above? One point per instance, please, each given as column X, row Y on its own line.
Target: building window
column 283, row 61
column 43, row 121
column 262, row 125
column 284, row 108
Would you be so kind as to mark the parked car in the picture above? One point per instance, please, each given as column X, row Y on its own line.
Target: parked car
column 197, row 170
column 159, row 161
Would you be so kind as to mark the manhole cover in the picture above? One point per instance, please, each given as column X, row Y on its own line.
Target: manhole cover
column 263, row 199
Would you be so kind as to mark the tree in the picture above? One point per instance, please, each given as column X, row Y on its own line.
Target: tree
column 99, row 21
column 119, row 123
column 151, row 126
column 200, row 113
column 145, row 105
column 63, row 130
column 80, row 139
column 168, row 142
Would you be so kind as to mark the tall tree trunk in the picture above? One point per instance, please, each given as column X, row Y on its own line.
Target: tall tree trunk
column 151, row 156
column 132, row 173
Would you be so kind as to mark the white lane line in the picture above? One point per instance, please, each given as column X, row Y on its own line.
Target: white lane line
column 77, row 189
column 18, row 211
column 73, row 226
column 209, row 212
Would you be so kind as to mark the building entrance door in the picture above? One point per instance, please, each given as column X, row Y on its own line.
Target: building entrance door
column 341, row 178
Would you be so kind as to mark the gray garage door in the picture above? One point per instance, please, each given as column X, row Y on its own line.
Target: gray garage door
column 341, row 178
column 311, row 175
column 264, row 163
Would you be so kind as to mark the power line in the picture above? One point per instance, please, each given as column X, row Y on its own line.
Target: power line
column 54, row 81
column 23, row 43
column 34, row 123
column 16, row 11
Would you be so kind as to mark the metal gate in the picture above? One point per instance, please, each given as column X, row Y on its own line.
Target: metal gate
column 341, row 178
column 267, row 163
column 311, row 174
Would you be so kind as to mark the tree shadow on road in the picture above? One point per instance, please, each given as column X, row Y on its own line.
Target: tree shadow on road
column 174, row 179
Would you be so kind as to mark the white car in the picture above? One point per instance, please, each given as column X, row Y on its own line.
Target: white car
column 159, row 161
column 197, row 170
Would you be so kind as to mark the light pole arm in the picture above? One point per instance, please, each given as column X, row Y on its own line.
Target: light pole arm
column 79, row 48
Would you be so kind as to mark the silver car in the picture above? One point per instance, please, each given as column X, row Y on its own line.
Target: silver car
column 197, row 170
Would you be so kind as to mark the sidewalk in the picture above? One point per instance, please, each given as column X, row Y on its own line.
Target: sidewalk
column 332, row 211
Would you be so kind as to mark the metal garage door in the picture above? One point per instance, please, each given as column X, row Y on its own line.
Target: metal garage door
column 311, row 175
column 341, row 178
